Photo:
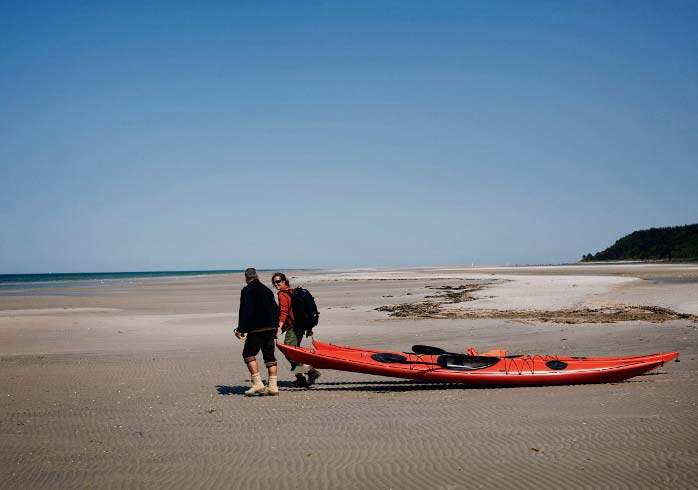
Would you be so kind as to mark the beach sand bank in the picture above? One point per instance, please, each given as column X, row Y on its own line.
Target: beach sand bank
column 140, row 386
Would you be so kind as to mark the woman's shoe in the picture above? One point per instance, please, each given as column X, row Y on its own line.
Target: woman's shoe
column 313, row 375
column 300, row 381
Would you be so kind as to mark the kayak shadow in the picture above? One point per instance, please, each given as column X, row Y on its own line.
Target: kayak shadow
column 391, row 386
column 408, row 385
column 417, row 385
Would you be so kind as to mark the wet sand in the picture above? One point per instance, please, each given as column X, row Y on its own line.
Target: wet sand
column 140, row 386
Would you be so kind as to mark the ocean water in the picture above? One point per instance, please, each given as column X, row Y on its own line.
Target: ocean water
column 51, row 284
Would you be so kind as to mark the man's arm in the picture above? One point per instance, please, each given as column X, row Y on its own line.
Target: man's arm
column 245, row 312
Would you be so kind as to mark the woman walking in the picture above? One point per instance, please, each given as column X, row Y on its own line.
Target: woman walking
column 293, row 334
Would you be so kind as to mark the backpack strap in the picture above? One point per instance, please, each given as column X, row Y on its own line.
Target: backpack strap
column 290, row 304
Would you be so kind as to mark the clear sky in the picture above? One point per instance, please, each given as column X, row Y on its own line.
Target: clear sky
column 185, row 135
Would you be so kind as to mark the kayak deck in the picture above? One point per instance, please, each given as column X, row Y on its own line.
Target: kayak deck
column 660, row 356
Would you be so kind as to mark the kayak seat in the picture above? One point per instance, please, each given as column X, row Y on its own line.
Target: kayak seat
column 465, row 363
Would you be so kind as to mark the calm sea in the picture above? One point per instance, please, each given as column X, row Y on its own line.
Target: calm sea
column 36, row 284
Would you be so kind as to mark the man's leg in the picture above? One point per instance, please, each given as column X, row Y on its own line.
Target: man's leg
column 292, row 339
column 257, row 385
column 249, row 354
column 252, row 366
column 273, row 388
column 270, row 362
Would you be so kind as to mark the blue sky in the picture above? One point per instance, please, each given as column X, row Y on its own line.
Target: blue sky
column 149, row 136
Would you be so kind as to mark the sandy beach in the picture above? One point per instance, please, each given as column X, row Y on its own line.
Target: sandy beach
column 141, row 385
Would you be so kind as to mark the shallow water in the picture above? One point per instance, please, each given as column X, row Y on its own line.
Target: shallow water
column 673, row 280
column 58, row 293
column 94, row 283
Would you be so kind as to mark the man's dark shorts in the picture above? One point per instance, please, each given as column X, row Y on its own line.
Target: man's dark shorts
column 263, row 341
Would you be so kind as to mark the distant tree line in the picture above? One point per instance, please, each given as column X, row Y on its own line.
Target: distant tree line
column 672, row 243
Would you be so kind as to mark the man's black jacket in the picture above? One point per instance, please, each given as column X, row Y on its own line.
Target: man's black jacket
column 258, row 309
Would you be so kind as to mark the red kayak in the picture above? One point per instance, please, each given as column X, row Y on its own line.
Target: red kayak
column 474, row 370
column 660, row 356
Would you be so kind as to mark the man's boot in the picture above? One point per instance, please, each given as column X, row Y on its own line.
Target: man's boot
column 272, row 389
column 257, row 385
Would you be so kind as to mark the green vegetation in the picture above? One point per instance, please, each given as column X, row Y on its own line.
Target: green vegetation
column 673, row 243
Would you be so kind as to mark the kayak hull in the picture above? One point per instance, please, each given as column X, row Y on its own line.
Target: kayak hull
column 516, row 371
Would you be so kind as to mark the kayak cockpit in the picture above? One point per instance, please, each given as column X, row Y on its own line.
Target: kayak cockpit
column 459, row 362
column 466, row 363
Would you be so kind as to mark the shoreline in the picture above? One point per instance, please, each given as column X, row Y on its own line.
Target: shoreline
column 49, row 277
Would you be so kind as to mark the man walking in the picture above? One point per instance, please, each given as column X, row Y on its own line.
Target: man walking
column 257, row 321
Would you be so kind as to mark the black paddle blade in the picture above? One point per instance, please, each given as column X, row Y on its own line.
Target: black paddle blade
column 428, row 350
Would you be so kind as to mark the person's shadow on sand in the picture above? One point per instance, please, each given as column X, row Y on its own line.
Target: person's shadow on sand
column 240, row 390
column 231, row 390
